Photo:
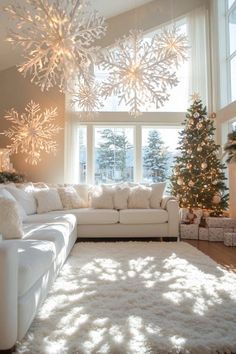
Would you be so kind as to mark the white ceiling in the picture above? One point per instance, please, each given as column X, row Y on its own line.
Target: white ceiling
column 107, row 8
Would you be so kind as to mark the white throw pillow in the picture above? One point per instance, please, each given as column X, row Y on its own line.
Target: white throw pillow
column 48, row 200
column 83, row 192
column 5, row 194
column 157, row 194
column 102, row 198
column 139, row 197
column 70, row 198
column 26, row 200
column 10, row 219
column 120, row 197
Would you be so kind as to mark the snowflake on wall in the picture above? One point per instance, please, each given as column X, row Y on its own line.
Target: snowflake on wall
column 141, row 71
column 86, row 97
column 32, row 132
column 57, row 39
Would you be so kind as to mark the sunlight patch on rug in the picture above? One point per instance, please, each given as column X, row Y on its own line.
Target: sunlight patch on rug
column 134, row 297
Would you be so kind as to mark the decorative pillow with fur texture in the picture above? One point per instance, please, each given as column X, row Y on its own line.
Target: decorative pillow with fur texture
column 25, row 199
column 157, row 194
column 7, row 195
column 101, row 197
column 139, row 197
column 70, row 198
column 120, row 197
column 48, row 200
column 10, row 219
column 83, row 191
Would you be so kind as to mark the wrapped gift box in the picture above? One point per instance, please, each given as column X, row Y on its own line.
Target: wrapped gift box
column 230, row 238
column 189, row 231
column 197, row 212
column 221, row 222
column 228, row 229
column 216, row 234
column 203, row 233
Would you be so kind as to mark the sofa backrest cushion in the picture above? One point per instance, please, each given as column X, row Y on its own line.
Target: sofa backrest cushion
column 120, row 197
column 101, row 197
column 25, row 199
column 157, row 194
column 10, row 219
column 139, row 197
column 7, row 195
column 48, row 200
column 70, row 198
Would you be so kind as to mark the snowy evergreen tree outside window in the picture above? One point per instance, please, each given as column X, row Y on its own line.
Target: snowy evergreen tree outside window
column 114, row 155
column 198, row 177
column 155, row 158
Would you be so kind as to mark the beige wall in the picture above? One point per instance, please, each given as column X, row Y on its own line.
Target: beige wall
column 16, row 92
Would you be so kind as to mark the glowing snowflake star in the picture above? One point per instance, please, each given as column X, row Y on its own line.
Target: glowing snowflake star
column 32, row 132
column 86, row 97
column 141, row 70
column 195, row 97
column 56, row 38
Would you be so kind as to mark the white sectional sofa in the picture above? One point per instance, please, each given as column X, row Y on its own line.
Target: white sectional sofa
column 28, row 266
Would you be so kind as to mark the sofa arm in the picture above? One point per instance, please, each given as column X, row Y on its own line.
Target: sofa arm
column 172, row 207
column 8, row 294
column 165, row 200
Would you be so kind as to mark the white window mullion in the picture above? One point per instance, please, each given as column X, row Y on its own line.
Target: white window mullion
column 138, row 153
column 90, row 154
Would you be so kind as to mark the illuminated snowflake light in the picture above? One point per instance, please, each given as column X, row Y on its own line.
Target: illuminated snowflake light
column 86, row 97
column 57, row 39
column 32, row 132
column 141, row 71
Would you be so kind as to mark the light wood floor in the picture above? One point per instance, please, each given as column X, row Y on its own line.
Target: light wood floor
column 222, row 254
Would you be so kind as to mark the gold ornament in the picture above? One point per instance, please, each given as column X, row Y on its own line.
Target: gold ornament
column 191, row 183
column 216, row 199
column 204, row 165
column 180, row 181
column 199, row 148
column 189, row 165
column 189, row 151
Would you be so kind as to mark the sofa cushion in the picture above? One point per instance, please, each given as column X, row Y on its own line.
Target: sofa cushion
column 34, row 258
column 10, row 219
column 143, row 216
column 48, row 200
column 53, row 218
column 89, row 216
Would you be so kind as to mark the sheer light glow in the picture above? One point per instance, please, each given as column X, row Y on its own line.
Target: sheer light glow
column 56, row 38
column 32, row 132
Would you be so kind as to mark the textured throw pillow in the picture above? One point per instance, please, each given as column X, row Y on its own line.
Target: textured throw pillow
column 5, row 194
column 26, row 200
column 120, row 197
column 83, row 191
column 48, row 200
column 70, row 198
column 10, row 219
column 139, row 197
column 157, row 194
column 101, row 198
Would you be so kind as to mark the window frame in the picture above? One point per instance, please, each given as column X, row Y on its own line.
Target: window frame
column 229, row 57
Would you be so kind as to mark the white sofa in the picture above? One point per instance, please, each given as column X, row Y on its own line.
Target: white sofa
column 29, row 266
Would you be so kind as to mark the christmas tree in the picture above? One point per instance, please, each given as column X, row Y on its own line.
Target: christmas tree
column 198, row 177
column 155, row 157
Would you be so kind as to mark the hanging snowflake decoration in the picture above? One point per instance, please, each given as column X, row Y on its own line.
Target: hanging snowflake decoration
column 57, row 39
column 173, row 43
column 32, row 132
column 141, row 71
column 86, row 97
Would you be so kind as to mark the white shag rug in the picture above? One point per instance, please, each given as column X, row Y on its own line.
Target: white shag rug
column 134, row 297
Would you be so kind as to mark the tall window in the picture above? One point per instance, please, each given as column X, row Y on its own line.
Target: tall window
column 231, row 50
column 114, row 154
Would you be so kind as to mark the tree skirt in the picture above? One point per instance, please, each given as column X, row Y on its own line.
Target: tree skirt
column 135, row 297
